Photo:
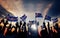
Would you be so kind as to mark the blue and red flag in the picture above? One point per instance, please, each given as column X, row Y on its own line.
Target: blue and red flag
column 38, row 15
column 12, row 18
column 47, row 18
column 55, row 20
column 23, row 17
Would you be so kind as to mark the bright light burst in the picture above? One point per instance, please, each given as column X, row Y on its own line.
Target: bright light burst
column 34, row 27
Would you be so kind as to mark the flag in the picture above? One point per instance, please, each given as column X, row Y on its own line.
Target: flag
column 32, row 22
column 47, row 18
column 9, row 15
column 38, row 15
column 55, row 20
column 23, row 17
column 12, row 18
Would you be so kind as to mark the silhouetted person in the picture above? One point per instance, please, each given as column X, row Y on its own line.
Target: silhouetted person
column 44, row 31
column 2, row 20
column 24, row 33
column 44, row 26
column 5, row 22
column 48, row 27
column 19, row 26
column 9, row 29
column 10, row 26
column 56, row 35
column 24, row 26
column 49, row 31
column 20, row 23
column 56, row 26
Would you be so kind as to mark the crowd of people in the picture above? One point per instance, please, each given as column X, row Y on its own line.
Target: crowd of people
column 50, row 32
column 20, row 30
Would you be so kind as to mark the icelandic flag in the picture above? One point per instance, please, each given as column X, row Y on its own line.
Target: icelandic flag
column 23, row 17
column 32, row 22
column 9, row 15
column 38, row 15
column 47, row 18
column 12, row 18
column 55, row 20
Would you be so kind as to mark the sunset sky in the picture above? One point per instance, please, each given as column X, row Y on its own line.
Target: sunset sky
column 30, row 7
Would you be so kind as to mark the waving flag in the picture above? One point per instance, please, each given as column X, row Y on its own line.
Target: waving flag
column 23, row 17
column 38, row 15
column 9, row 15
column 11, row 18
column 55, row 20
column 47, row 18
column 32, row 22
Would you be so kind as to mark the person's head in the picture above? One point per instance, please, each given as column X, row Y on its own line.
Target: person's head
column 24, row 23
column 44, row 24
column 20, row 22
column 56, row 26
column 2, row 20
